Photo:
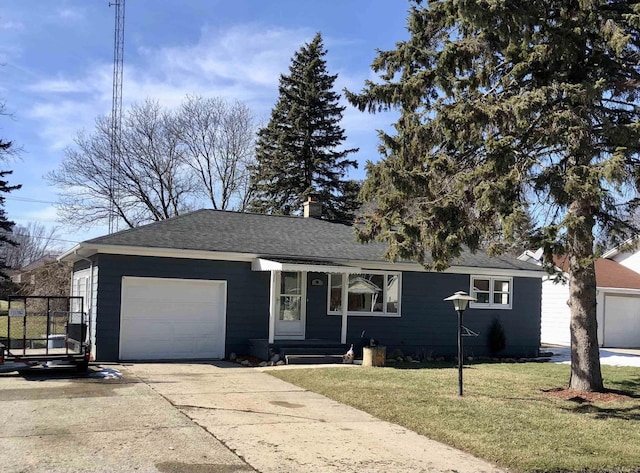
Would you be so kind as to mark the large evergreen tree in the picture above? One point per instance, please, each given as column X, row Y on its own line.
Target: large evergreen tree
column 510, row 108
column 298, row 151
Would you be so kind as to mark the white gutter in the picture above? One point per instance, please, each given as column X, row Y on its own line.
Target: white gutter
column 265, row 264
column 72, row 252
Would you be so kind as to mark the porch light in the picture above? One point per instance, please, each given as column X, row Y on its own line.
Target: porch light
column 460, row 303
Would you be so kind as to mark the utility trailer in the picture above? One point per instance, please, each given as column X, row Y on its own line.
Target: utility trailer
column 44, row 329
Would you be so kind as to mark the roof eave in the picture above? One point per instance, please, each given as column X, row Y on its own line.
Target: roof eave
column 77, row 253
column 85, row 250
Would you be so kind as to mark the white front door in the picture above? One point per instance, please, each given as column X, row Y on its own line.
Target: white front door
column 291, row 305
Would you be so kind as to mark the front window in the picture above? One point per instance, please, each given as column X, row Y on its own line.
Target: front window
column 491, row 292
column 367, row 294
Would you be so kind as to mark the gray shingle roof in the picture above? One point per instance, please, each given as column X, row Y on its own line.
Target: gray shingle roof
column 275, row 236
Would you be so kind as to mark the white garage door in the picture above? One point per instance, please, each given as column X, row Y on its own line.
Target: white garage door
column 168, row 319
column 621, row 321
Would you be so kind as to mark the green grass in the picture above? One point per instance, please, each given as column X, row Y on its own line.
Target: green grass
column 504, row 417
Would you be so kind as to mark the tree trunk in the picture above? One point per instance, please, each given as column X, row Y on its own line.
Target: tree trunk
column 585, row 356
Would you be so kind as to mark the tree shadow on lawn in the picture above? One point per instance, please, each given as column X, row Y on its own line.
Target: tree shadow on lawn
column 598, row 412
column 605, row 405
column 430, row 365
column 436, row 365
column 627, row 386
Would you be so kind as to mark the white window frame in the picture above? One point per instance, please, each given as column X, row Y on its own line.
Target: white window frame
column 387, row 275
column 491, row 304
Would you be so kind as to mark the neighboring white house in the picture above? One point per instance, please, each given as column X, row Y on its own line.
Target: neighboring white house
column 628, row 259
column 618, row 302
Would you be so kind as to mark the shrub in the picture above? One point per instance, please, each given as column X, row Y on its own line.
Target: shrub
column 496, row 339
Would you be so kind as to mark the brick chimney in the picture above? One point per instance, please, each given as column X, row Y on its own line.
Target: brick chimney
column 312, row 208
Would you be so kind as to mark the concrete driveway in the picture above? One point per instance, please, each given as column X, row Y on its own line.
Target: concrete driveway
column 278, row 427
column 207, row 418
column 56, row 421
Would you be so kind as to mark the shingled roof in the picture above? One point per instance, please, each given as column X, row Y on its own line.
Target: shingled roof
column 609, row 273
column 272, row 236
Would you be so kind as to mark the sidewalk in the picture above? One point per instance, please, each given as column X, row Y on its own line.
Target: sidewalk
column 278, row 427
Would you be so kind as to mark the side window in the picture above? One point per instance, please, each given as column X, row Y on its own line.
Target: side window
column 491, row 292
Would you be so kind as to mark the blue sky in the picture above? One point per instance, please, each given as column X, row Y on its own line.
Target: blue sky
column 57, row 65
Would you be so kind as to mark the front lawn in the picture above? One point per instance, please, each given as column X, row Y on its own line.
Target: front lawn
column 509, row 415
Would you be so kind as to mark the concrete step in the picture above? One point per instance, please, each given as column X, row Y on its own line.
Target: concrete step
column 312, row 359
column 339, row 350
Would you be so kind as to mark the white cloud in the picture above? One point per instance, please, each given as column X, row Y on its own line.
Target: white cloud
column 11, row 25
column 61, row 120
column 70, row 14
column 47, row 214
column 242, row 62
column 61, row 85
column 63, row 106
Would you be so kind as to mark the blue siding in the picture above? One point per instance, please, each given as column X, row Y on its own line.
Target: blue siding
column 427, row 327
column 319, row 324
column 247, row 296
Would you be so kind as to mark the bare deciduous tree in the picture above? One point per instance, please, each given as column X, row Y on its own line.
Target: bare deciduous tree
column 50, row 279
column 218, row 139
column 32, row 242
column 169, row 162
column 148, row 182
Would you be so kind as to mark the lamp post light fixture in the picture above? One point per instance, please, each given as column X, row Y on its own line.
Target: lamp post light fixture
column 460, row 303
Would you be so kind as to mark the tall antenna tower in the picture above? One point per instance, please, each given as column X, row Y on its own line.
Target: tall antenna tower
column 116, row 113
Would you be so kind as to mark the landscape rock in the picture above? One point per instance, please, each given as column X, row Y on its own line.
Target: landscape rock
column 275, row 358
column 280, row 363
column 233, row 357
column 245, row 363
column 262, row 364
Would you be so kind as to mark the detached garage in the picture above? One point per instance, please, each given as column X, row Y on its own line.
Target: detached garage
column 618, row 305
column 619, row 321
column 170, row 319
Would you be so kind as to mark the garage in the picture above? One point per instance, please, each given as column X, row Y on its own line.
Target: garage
column 621, row 321
column 171, row 319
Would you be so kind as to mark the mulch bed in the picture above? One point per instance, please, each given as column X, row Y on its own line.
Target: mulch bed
column 582, row 396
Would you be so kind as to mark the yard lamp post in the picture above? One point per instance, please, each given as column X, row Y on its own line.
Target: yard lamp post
column 460, row 303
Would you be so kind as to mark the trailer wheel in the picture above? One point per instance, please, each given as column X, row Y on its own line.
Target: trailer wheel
column 82, row 366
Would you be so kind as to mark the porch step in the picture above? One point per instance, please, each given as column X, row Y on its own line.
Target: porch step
column 312, row 359
column 327, row 350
